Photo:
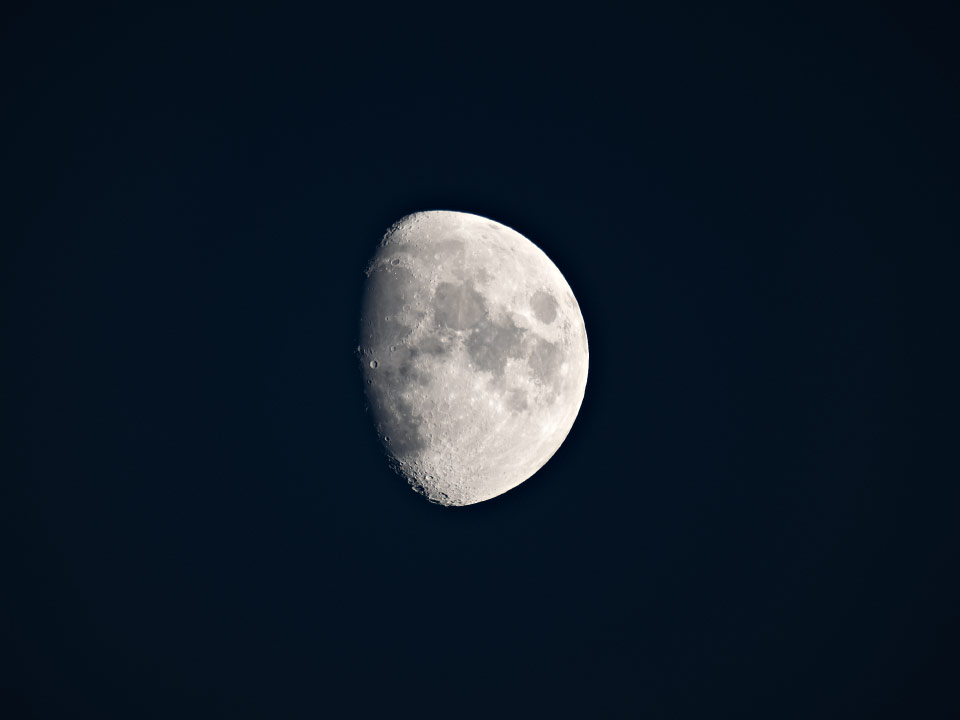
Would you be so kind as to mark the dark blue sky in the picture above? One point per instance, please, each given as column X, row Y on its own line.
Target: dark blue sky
column 756, row 209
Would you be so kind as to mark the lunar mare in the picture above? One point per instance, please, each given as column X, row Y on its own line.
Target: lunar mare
column 474, row 355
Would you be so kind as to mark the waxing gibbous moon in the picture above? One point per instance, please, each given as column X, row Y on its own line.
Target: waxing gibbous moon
column 474, row 355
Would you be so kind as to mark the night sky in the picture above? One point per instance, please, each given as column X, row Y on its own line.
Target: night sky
column 757, row 211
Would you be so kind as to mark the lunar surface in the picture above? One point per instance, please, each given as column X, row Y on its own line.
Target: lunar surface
column 474, row 355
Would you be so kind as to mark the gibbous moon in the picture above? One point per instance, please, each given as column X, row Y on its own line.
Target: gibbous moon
column 473, row 352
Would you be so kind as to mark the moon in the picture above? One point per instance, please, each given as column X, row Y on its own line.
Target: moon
column 474, row 355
